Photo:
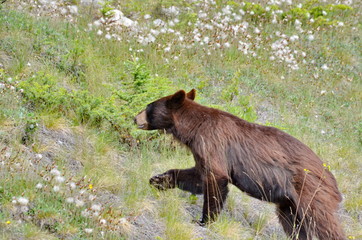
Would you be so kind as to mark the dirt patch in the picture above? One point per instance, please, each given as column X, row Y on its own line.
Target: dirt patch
column 59, row 144
column 147, row 227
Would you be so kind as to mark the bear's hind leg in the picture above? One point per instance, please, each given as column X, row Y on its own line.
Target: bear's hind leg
column 185, row 179
column 291, row 222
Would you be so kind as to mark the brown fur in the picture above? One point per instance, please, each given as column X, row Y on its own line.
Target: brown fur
column 262, row 161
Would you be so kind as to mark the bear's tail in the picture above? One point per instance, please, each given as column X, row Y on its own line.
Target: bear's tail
column 318, row 215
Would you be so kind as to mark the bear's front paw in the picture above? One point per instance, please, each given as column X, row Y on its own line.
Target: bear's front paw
column 162, row 181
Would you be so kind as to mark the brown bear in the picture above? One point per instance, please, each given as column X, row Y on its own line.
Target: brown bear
column 265, row 162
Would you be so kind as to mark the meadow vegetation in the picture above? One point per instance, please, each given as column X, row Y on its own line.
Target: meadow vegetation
column 73, row 74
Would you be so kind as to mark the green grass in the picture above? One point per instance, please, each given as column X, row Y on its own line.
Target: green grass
column 85, row 90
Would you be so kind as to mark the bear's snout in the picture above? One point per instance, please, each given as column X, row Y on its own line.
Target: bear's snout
column 141, row 120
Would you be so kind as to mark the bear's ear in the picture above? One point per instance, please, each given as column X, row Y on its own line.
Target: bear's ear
column 177, row 99
column 191, row 95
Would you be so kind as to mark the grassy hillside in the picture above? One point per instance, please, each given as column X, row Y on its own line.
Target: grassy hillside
column 73, row 74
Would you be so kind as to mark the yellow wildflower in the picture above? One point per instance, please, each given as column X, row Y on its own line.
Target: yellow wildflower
column 8, row 222
column 327, row 166
column 90, row 186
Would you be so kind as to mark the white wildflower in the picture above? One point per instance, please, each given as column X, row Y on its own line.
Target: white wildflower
column 310, row 37
column 171, row 23
column 237, row 17
column 227, row 44
column 99, row 32
column 79, row 203
column 69, row 200
column 72, row 185
column 85, row 213
column 96, row 207
column 108, row 36
column 55, row 172
column 171, row 11
column 226, row 10
column 114, row 16
column 294, row 38
column 59, row 179
column 147, row 16
column 158, row 22
column 63, row 11
column 97, row 23
column 125, row 21
column 2, row 85
column 88, row 230
column 122, row 220
column 91, row 197
column 202, row 14
column 323, row 92
column 39, row 186
column 256, row 30
column 73, row 9
column 56, row 188
column 23, row 201
column 103, row 221
column 167, row 49
column 325, row 67
column 154, row 32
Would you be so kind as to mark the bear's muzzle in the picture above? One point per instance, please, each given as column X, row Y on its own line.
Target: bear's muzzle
column 141, row 120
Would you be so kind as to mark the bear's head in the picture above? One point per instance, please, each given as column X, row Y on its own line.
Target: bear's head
column 158, row 114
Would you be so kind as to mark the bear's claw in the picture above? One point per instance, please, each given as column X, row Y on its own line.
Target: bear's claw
column 161, row 181
column 200, row 222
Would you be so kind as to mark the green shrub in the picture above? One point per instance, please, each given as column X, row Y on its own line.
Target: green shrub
column 115, row 112
column 314, row 9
